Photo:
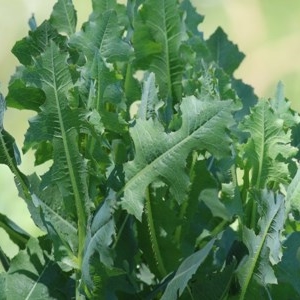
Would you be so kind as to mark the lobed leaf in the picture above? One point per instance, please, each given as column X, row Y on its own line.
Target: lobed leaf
column 36, row 43
column 149, row 101
column 58, row 124
column 256, row 271
column 192, row 19
column 102, row 36
column 63, row 17
column 224, row 52
column 99, row 240
column 156, row 40
column 160, row 155
column 50, row 215
column 267, row 147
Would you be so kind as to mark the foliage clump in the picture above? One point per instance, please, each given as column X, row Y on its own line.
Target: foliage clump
column 168, row 178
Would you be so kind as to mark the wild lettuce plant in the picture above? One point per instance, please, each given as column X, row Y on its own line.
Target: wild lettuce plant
column 168, row 178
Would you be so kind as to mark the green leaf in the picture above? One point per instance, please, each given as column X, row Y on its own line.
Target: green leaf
column 256, row 270
column 102, row 36
column 99, row 240
column 156, row 232
column 2, row 110
column 15, row 233
column 21, row 96
column 156, row 41
column 192, row 18
column 282, row 107
column 247, row 96
column 149, row 102
column 36, row 43
column 162, row 155
column 50, row 215
column 33, row 274
column 58, row 124
column 64, row 17
column 214, row 286
column 293, row 195
column 185, row 272
column 224, row 52
column 10, row 156
column 288, row 269
column 101, row 6
column 9, row 153
column 4, row 264
column 267, row 148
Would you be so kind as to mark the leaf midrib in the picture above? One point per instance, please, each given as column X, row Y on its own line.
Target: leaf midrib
column 257, row 254
column 79, row 208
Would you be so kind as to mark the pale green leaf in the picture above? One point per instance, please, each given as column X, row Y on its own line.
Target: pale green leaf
column 161, row 155
column 156, row 41
column 102, row 37
column 256, row 271
column 185, row 272
column 267, row 147
column 149, row 101
column 282, row 107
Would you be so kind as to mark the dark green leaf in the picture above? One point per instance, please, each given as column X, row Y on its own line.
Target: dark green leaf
column 22, row 97
column 185, row 272
column 192, row 18
column 15, row 233
column 224, row 52
column 33, row 275
column 36, row 43
column 288, row 269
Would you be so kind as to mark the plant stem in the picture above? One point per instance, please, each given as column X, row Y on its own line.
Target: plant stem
column 184, row 205
column 153, row 238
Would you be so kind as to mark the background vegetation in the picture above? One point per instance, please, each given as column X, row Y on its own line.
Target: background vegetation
column 268, row 32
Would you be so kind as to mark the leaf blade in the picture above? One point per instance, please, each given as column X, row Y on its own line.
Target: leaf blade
column 185, row 271
column 165, row 154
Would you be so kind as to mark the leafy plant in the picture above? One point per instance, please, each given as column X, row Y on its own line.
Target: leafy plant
column 168, row 178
